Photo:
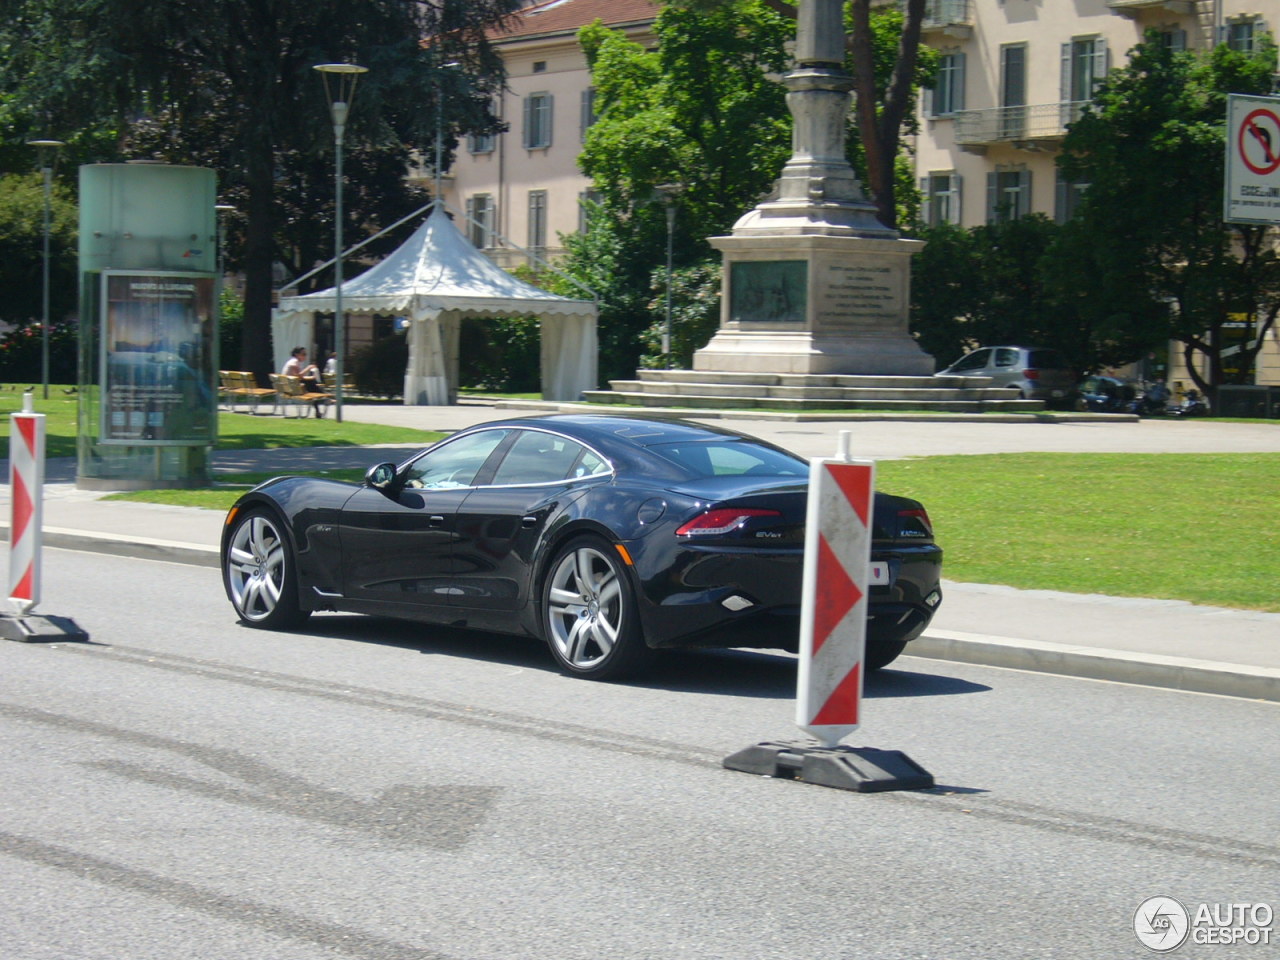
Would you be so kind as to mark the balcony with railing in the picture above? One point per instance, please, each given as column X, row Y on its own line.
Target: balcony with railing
column 1033, row 126
column 1131, row 8
column 952, row 18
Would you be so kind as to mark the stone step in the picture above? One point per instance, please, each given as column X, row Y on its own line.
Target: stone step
column 806, row 379
column 692, row 389
column 706, row 402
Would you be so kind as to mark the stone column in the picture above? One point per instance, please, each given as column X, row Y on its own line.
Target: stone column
column 813, row 282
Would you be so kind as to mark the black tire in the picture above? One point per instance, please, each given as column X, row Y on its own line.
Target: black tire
column 258, row 572
column 879, row 655
column 589, row 616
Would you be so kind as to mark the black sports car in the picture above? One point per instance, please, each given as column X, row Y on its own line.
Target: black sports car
column 608, row 536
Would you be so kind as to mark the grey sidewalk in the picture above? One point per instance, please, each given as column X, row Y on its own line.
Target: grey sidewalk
column 1154, row 642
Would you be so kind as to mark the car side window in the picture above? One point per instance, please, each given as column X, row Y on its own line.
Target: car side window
column 454, row 463
column 537, row 457
column 974, row 361
column 1006, row 357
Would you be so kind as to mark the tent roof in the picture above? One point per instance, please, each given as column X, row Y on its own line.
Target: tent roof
column 437, row 270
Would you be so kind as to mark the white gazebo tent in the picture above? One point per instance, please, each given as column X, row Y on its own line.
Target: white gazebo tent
column 434, row 279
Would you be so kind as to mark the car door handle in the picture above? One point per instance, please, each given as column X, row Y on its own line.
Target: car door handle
column 528, row 521
column 436, row 521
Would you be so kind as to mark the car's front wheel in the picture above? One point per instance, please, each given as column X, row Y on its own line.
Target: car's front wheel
column 589, row 613
column 258, row 572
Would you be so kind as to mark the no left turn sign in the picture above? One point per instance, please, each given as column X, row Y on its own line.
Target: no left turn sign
column 1259, row 141
column 1252, row 187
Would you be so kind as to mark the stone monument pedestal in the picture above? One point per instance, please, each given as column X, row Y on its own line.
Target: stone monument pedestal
column 813, row 283
column 815, row 304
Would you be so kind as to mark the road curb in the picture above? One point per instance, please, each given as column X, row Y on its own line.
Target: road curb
column 1119, row 666
column 123, row 545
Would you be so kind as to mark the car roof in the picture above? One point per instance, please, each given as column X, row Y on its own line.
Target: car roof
column 625, row 439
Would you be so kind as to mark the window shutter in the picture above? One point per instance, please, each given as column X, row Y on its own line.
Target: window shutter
column 957, row 84
column 955, row 198
column 926, row 201
column 1064, row 74
column 993, row 197
column 587, row 114
column 1024, row 194
column 547, row 114
column 529, row 113
column 1101, row 64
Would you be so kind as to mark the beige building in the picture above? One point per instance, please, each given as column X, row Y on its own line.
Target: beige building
column 523, row 188
column 1014, row 74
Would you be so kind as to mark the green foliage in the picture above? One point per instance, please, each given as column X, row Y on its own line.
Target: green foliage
column 1151, row 149
column 22, row 351
column 230, row 325
column 22, row 250
column 379, row 367
column 695, row 314
column 504, row 355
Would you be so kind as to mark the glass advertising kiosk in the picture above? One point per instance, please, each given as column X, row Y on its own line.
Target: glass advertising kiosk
column 148, row 331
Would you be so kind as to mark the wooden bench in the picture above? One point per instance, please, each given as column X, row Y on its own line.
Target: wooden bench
column 239, row 386
column 291, row 392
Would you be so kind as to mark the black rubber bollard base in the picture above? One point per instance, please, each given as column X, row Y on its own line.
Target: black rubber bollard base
column 862, row 769
column 34, row 628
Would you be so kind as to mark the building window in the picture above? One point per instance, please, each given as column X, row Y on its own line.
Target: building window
column 587, row 115
column 588, row 207
column 480, row 220
column 1008, row 194
column 482, row 143
column 539, row 66
column 1013, row 91
column 1068, row 194
column 537, row 241
column 941, row 192
column 1084, row 66
column 947, row 95
column 537, row 121
column 1174, row 38
column 1242, row 34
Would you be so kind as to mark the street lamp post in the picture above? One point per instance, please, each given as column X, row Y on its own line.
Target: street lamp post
column 339, row 87
column 668, row 192
column 48, row 150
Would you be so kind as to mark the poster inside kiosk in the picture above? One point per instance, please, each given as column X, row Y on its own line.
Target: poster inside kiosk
column 157, row 371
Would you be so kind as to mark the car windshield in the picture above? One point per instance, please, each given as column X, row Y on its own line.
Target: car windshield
column 725, row 458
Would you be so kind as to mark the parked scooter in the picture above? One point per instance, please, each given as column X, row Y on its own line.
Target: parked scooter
column 1192, row 405
column 1153, row 401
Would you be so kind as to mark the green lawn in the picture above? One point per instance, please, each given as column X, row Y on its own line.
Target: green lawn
column 1202, row 527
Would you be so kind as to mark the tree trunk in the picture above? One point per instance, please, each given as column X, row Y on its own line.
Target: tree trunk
column 259, row 258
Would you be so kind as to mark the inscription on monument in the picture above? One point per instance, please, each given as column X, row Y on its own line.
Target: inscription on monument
column 860, row 295
column 768, row 291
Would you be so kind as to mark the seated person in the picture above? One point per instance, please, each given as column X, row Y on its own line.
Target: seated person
column 308, row 373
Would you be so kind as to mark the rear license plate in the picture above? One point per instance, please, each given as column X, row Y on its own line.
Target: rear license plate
column 878, row 574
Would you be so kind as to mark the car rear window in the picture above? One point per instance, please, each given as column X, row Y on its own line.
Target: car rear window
column 1046, row 360
column 725, row 458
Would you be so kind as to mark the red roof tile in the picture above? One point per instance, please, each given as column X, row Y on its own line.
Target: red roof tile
column 564, row 16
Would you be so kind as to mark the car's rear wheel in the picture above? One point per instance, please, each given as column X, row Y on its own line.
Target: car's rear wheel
column 879, row 654
column 258, row 571
column 589, row 613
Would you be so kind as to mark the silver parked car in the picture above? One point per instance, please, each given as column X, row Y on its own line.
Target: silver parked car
column 1036, row 373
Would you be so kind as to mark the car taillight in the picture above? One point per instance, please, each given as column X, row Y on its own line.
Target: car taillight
column 716, row 522
column 1031, row 374
column 918, row 513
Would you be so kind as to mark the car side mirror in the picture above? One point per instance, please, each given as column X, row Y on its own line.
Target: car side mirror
column 384, row 477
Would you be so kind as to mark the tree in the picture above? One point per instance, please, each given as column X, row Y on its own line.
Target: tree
column 1154, row 241
column 243, row 67
column 888, row 65
column 22, row 250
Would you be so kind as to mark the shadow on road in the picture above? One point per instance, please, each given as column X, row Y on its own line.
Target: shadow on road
column 733, row 673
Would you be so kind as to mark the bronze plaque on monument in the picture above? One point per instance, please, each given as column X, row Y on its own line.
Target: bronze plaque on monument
column 768, row 291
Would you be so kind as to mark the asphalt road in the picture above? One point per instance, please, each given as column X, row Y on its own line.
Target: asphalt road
column 183, row 786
